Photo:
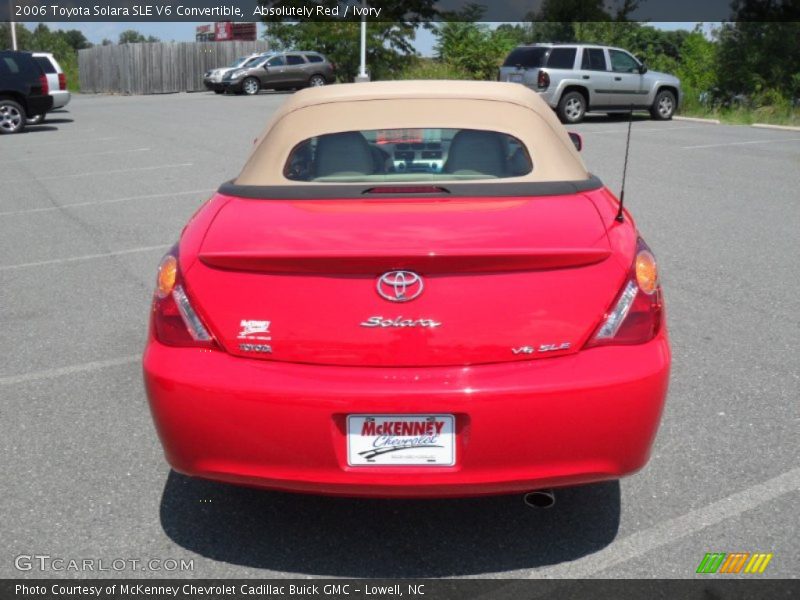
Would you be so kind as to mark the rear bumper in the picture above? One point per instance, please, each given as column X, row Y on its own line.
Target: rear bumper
column 60, row 98
column 551, row 96
column 528, row 425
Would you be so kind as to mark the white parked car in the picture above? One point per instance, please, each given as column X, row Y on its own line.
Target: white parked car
column 56, row 81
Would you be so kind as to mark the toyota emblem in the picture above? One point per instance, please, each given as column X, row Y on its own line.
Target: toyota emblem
column 399, row 286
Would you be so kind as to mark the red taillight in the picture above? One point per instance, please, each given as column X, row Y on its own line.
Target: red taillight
column 543, row 81
column 62, row 81
column 637, row 313
column 43, row 83
column 174, row 320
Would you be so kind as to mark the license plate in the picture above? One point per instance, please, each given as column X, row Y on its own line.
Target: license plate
column 401, row 440
column 515, row 77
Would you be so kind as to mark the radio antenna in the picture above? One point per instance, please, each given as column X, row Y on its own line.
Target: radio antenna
column 620, row 215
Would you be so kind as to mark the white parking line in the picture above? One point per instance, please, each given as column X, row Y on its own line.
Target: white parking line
column 57, row 261
column 70, row 370
column 635, row 129
column 27, row 211
column 672, row 530
column 53, row 156
column 774, row 141
column 106, row 172
column 73, row 141
column 697, row 120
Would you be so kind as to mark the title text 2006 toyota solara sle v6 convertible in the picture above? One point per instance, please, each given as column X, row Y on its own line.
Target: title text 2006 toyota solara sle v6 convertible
column 411, row 289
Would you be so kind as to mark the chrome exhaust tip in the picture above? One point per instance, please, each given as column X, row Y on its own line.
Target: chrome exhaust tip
column 540, row 499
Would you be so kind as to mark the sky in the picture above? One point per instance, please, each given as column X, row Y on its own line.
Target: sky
column 184, row 32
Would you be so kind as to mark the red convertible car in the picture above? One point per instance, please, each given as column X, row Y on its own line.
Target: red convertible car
column 412, row 289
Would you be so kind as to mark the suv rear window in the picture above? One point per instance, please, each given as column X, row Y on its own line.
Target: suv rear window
column 45, row 64
column 530, row 57
column 562, row 58
column 393, row 155
column 314, row 58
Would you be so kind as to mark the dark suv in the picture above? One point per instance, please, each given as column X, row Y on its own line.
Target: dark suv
column 280, row 71
column 23, row 90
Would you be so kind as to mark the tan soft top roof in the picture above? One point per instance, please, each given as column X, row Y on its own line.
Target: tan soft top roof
column 424, row 89
column 493, row 106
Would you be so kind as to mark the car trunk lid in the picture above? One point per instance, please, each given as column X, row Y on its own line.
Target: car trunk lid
column 501, row 279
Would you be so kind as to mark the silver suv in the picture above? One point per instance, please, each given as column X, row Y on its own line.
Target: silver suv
column 576, row 78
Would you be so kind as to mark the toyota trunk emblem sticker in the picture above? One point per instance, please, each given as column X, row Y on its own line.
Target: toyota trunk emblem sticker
column 399, row 286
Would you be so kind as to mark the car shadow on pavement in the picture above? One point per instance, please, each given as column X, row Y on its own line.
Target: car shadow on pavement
column 347, row 537
column 614, row 118
column 38, row 129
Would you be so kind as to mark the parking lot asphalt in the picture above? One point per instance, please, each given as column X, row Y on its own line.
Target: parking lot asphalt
column 90, row 200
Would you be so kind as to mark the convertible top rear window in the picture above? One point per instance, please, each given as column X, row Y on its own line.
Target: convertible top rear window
column 408, row 155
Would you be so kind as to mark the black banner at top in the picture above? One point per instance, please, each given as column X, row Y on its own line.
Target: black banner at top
column 399, row 10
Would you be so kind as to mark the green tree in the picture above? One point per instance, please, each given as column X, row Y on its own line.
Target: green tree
column 556, row 20
column 23, row 36
column 518, row 32
column 696, row 65
column 131, row 36
column 76, row 39
column 761, row 49
column 473, row 48
column 660, row 50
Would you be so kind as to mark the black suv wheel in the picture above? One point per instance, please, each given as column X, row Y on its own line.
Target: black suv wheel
column 12, row 116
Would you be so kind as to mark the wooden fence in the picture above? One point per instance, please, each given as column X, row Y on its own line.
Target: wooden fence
column 158, row 68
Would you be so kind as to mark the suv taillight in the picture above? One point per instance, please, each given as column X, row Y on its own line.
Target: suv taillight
column 43, row 83
column 637, row 313
column 62, row 81
column 543, row 81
